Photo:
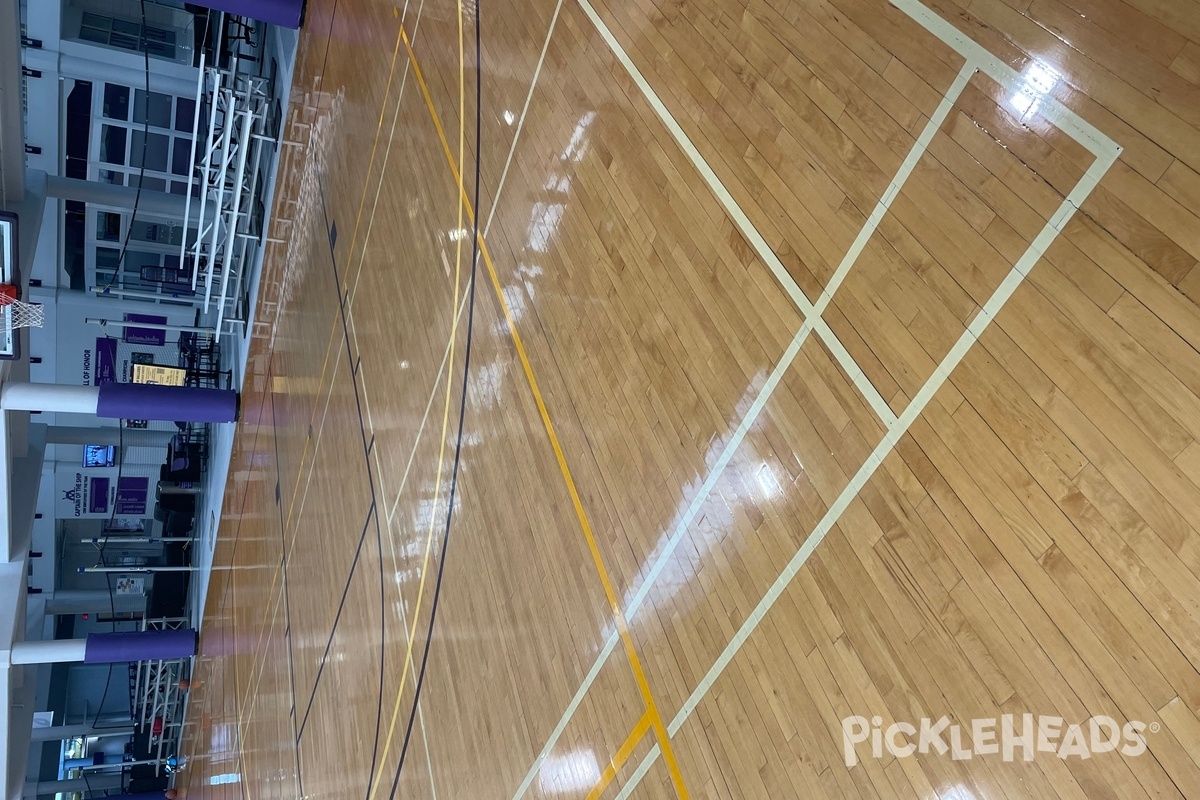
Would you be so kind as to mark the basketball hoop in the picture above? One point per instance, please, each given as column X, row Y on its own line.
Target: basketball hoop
column 20, row 314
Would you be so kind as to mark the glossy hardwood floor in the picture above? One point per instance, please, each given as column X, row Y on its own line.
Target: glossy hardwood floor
column 829, row 359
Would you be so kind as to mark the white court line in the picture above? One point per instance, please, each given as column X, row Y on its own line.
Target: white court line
column 1063, row 118
column 362, row 375
column 386, row 155
column 404, row 627
column 960, row 349
column 257, row 668
column 893, row 189
column 680, row 529
column 312, row 464
column 751, row 416
column 521, row 121
column 756, row 240
column 466, row 294
column 495, row 204
column 391, row 512
column 425, row 417
column 362, row 256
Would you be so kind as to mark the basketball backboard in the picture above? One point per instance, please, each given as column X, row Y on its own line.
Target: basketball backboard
column 10, row 341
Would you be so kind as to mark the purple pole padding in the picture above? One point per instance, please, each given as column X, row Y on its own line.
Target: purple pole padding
column 169, row 403
column 112, row 648
column 285, row 13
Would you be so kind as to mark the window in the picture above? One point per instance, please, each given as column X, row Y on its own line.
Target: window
column 141, row 254
column 157, row 233
column 185, row 114
column 106, row 265
column 152, row 147
column 95, row 28
column 116, row 101
column 127, row 35
column 180, row 155
column 160, row 109
column 112, row 144
column 135, row 126
column 108, row 226
column 148, row 182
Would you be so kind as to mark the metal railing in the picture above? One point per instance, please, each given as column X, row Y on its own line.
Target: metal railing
column 159, row 698
column 219, row 240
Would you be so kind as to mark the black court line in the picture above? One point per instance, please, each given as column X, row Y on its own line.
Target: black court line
column 241, row 514
column 367, row 447
column 287, row 598
column 373, row 512
column 338, row 618
column 476, row 241
column 237, row 704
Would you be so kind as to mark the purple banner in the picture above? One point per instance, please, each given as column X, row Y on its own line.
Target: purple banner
column 98, row 496
column 284, row 13
column 131, row 496
column 106, row 362
column 150, row 336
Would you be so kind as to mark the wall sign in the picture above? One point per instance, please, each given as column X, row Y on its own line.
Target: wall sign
column 131, row 496
column 104, row 363
column 84, row 494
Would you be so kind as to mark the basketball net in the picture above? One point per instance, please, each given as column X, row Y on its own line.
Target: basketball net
column 21, row 314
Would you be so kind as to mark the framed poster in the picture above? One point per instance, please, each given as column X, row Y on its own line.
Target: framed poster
column 128, row 584
column 99, row 455
column 163, row 376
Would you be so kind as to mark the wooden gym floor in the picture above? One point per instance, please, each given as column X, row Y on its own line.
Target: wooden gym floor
column 829, row 358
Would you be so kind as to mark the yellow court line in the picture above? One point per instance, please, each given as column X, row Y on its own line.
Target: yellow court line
column 635, row 663
column 437, row 486
column 337, row 316
column 620, row 757
column 362, row 201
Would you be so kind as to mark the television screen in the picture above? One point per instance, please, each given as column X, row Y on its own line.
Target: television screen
column 98, row 455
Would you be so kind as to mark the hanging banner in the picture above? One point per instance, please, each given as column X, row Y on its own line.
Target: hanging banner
column 150, row 336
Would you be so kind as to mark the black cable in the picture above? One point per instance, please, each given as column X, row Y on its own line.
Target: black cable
column 462, row 408
column 112, row 601
column 112, row 604
column 137, row 197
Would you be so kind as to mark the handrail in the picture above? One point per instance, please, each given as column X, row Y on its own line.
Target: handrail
column 208, row 151
column 187, row 205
